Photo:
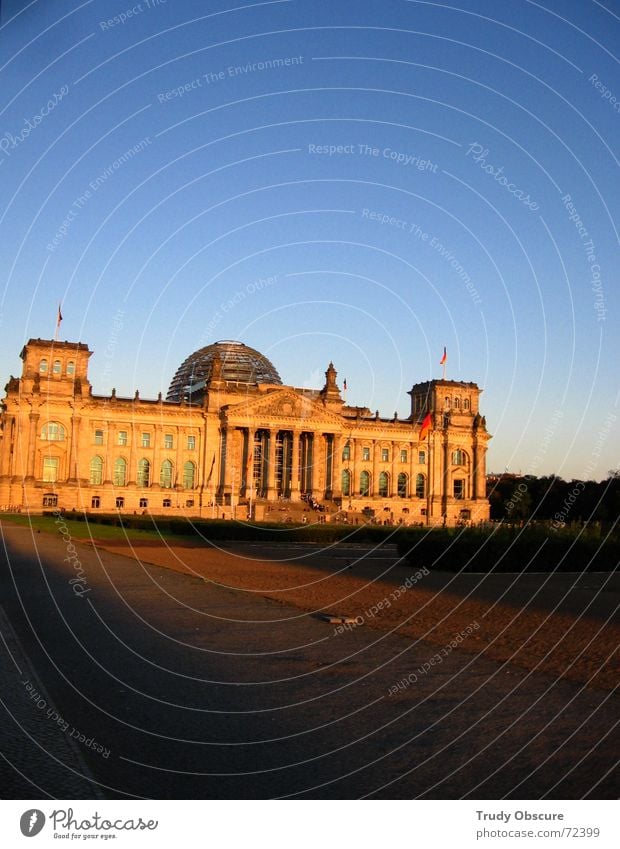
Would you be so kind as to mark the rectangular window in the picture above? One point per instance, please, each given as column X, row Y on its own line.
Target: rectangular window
column 346, row 451
column 95, row 501
column 50, row 469
column 366, row 454
column 403, row 455
column 167, row 502
column 122, row 437
column 422, row 457
column 120, row 502
column 144, row 502
column 191, row 443
column 168, row 441
column 98, row 437
column 50, row 500
column 459, row 489
column 146, row 440
column 189, row 502
column 385, row 455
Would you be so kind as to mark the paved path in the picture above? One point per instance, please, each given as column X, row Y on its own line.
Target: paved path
column 176, row 688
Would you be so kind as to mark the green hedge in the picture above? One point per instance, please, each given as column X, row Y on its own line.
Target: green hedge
column 501, row 549
column 217, row 529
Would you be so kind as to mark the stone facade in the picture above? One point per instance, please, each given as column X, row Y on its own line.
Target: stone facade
column 236, row 449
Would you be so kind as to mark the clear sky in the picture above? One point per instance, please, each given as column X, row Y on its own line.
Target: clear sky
column 362, row 182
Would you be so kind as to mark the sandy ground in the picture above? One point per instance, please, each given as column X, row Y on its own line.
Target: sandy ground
column 561, row 625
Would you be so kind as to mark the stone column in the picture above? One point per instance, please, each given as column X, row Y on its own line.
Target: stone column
column 156, row 464
column 310, row 471
column 478, row 475
column 353, row 468
column 328, row 451
column 132, row 456
column 445, row 474
column 248, row 461
column 32, row 444
column 6, row 444
column 178, row 463
column 110, row 432
column 394, row 470
column 225, row 461
column 295, row 492
column 374, row 484
column 271, row 466
column 336, row 449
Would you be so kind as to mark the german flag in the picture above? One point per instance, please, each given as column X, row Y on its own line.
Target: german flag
column 444, row 358
column 426, row 426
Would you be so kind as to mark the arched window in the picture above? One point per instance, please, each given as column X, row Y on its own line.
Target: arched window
column 447, row 402
column 96, row 471
column 384, row 485
column 43, row 366
column 402, row 485
column 459, row 458
column 70, row 368
column 53, row 431
column 466, row 403
column 420, row 486
column 57, row 369
column 189, row 475
column 120, row 472
column 457, row 403
column 165, row 475
column 365, row 483
column 144, row 473
column 346, row 482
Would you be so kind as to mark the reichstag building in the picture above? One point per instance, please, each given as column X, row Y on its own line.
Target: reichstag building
column 231, row 441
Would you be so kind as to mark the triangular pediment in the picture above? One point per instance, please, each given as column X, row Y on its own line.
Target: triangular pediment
column 281, row 405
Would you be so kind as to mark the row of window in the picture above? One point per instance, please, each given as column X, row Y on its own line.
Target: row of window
column 450, row 402
column 383, row 491
column 455, row 403
column 119, row 476
column 459, row 457
column 385, row 454
column 55, row 432
column 146, row 439
column 50, row 499
column 402, row 485
column 57, row 367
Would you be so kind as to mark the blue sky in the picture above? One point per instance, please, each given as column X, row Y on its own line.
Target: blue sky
column 358, row 182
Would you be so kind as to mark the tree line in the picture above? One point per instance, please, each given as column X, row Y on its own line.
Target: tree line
column 520, row 498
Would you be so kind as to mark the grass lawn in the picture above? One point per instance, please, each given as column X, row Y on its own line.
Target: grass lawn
column 84, row 529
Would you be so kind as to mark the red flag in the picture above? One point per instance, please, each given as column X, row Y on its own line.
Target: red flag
column 442, row 361
column 426, row 426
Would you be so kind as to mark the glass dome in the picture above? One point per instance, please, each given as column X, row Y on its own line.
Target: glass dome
column 240, row 364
